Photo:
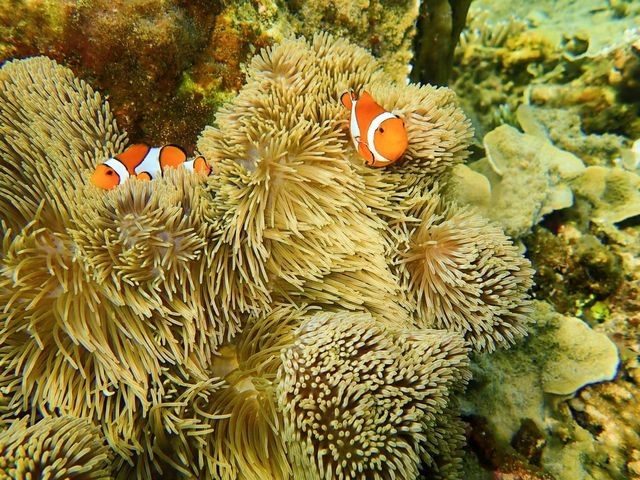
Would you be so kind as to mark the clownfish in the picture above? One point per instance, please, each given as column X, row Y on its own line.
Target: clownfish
column 379, row 136
column 144, row 163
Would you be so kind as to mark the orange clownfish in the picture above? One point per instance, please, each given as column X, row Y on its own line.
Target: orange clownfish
column 379, row 136
column 144, row 163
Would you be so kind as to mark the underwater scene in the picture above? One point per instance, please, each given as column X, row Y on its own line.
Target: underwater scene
column 316, row 240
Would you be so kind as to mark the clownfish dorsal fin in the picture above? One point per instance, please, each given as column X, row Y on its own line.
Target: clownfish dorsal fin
column 347, row 99
column 172, row 156
column 366, row 99
column 133, row 156
column 366, row 153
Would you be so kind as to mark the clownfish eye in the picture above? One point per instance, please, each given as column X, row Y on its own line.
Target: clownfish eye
column 381, row 130
column 109, row 172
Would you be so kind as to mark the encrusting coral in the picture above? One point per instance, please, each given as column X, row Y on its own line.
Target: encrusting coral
column 56, row 448
column 177, row 314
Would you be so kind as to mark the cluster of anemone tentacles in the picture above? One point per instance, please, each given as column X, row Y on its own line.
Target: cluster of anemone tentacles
column 294, row 315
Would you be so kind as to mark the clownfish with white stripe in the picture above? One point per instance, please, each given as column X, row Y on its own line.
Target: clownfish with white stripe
column 379, row 136
column 144, row 163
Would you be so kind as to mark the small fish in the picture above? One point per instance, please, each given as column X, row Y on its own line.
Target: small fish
column 379, row 136
column 144, row 163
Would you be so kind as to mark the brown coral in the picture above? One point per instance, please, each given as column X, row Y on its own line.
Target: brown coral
column 359, row 400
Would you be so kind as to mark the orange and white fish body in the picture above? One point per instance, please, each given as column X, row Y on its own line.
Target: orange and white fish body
column 380, row 136
column 144, row 163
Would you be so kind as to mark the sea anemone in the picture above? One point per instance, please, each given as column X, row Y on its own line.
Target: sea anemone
column 298, row 226
column 179, row 315
column 52, row 126
column 222, row 422
column 99, row 289
column 54, row 448
column 465, row 274
column 359, row 399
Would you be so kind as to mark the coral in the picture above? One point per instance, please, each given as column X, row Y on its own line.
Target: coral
column 582, row 357
column 512, row 383
column 507, row 462
column 626, row 72
column 375, row 425
column 465, row 275
column 56, row 448
column 509, row 56
column 563, row 128
column 383, row 27
column 518, row 164
column 613, row 192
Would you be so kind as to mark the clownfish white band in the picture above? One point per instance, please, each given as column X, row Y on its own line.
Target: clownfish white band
column 375, row 124
column 355, row 129
column 118, row 167
column 150, row 163
column 190, row 165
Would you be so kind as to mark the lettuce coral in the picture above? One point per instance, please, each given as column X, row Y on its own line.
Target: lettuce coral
column 177, row 314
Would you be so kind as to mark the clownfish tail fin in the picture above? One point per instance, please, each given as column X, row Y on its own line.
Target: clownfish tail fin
column 200, row 165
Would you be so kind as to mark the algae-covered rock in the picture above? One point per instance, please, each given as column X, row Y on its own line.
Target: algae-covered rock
column 168, row 66
column 583, row 356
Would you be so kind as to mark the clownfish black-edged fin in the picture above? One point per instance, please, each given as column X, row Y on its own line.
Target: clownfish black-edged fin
column 347, row 99
column 144, row 176
column 366, row 153
column 172, row 156
column 200, row 165
column 133, row 155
